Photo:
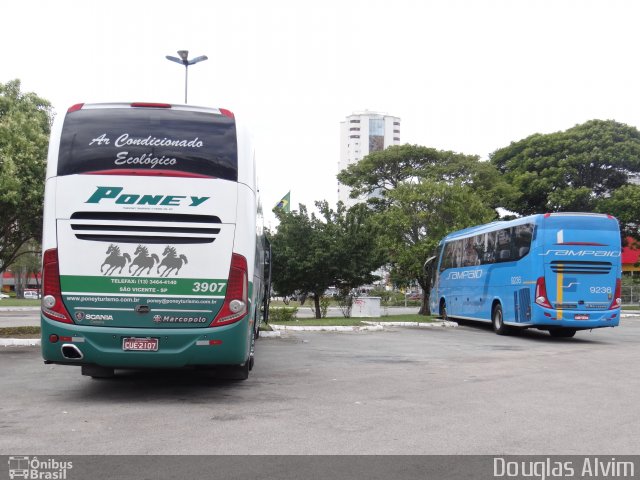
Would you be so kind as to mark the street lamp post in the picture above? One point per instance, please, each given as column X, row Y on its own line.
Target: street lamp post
column 183, row 60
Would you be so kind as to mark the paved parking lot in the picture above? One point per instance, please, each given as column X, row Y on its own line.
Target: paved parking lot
column 400, row 391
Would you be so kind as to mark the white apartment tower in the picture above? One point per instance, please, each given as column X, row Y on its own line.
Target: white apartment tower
column 360, row 134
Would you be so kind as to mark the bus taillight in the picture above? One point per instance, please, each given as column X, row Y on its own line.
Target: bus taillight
column 52, row 306
column 541, row 293
column 617, row 297
column 75, row 108
column 236, row 298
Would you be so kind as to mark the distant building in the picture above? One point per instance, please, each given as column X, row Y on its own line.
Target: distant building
column 634, row 178
column 360, row 134
column 8, row 281
column 631, row 258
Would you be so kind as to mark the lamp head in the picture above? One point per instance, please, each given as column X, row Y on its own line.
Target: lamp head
column 183, row 54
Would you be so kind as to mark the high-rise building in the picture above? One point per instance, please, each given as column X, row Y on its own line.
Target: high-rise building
column 360, row 134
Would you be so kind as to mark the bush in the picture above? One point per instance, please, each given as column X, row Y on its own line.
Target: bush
column 284, row 314
column 345, row 302
column 392, row 298
column 324, row 306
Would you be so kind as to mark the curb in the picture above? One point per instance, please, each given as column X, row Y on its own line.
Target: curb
column 327, row 328
column 19, row 309
column 267, row 334
column 440, row 324
column 370, row 327
column 20, row 342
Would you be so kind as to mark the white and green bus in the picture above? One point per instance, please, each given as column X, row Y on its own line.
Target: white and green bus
column 153, row 247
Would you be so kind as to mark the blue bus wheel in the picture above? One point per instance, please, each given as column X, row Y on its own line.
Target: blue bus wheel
column 443, row 310
column 497, row 320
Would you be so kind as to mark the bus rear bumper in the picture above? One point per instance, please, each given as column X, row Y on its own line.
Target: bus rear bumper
column 577, row 319
column 177, row 347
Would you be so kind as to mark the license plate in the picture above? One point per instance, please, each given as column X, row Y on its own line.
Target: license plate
column 581, row 317
column 140, row 344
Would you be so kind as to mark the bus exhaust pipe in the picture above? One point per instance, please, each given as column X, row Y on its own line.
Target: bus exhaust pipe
column 71, row 352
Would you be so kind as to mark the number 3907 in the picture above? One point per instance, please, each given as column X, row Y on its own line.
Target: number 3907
column 208, row 287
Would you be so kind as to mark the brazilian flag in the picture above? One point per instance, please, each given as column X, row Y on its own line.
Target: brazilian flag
column 284, row 203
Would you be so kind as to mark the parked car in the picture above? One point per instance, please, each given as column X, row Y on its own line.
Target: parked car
column 31, row 294
column 3, row 295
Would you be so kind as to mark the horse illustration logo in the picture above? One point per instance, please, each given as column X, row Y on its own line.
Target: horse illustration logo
column 171, row 261
column 114, row 260
column 143, row 260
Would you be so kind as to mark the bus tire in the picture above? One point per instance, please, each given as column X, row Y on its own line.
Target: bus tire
column 443, row 310
column 497, row 320
column 96, row 371
column 562, row 332
column 238, row 372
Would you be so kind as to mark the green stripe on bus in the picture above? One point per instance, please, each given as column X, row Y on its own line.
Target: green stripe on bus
column 144, row 285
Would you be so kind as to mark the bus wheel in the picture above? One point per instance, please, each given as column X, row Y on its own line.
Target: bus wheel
column 562, row 332
column 237, row 372
column 443, row 310
column 242, row 371
column 497, row 319
column 96, row 371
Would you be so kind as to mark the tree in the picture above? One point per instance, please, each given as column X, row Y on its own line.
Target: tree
column 624, row 204
column 25, row 121
column 26, row 265
column 418, row 217
column 312, row 253
column 382, row 171
column 575, row 170
column 420, row 194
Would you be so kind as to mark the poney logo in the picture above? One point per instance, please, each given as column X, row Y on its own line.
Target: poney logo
column 115, row 195
column 172, row 261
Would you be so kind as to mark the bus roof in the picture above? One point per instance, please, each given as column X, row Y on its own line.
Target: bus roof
column 190, row 108
column 535, row 219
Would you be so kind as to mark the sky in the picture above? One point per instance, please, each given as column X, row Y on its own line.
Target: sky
column 464, row 75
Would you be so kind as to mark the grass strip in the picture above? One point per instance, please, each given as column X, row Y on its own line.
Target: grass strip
column 18, row 302
column 324, row 322
column 20, row 332
column 414, row 317
column 355, row 322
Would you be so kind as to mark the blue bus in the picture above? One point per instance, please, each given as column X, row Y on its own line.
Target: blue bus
column 559, row 272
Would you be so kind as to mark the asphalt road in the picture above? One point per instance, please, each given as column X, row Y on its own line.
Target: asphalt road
column 19, row 317
column 400, row 391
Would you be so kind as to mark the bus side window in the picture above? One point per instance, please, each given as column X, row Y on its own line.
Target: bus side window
column 504, row 245
column 469, row 254
column 478, row 246
column 522, row 239
column 457, row 254
column 489, row 255
column 446, row 257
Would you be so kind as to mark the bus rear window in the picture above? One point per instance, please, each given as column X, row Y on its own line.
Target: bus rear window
column 148, row 139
